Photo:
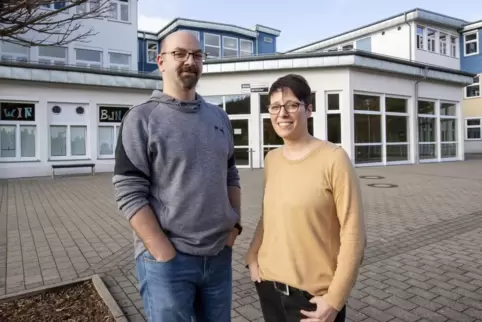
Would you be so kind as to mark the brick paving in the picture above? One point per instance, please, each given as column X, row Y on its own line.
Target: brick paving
column 423, row 261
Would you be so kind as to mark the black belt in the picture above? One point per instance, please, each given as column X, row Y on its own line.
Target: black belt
column 285, row 289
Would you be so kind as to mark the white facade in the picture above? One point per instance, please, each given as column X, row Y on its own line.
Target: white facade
column 114, row 46
column 426, row 120
column 58, row 116
column 418, row 36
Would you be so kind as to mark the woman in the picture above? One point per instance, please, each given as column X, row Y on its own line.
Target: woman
column 310, row 240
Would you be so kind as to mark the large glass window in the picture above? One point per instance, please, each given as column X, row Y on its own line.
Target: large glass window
column 119, row 10
column 52, row 55
column 212, row 45
column 368, row 129
column 18, row 132
column 427, row 130
column 333, row 118
column 109, row 118
column 237, row 104
column 68, row 141
column 14, row 52
column 88, row 58
column 118, row 61
column 396, row 129
column 448, row 130
column 230, row 46
column 241, row 141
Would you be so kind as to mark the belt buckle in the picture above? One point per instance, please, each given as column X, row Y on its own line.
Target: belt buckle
column 282, row 288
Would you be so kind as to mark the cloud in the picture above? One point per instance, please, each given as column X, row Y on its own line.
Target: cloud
column 152, row 24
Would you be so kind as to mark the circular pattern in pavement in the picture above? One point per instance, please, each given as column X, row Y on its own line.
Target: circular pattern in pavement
column 372, row 177
column 382, row 185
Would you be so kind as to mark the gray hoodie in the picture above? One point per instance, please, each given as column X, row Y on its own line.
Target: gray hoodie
column 178, row 157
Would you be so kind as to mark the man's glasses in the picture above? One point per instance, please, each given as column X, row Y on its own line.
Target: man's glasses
column 182, row 55
column 290, row 107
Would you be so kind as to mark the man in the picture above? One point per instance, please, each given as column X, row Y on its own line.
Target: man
column 177, row 183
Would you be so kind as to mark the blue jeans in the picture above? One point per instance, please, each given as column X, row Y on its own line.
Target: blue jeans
column 187, row 288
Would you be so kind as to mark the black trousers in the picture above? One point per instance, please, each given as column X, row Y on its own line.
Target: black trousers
column 279, row 307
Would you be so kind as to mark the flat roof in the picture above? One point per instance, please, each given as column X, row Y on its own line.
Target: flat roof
column 202, row 24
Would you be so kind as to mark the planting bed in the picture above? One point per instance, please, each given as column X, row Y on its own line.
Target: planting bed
column 74, row 303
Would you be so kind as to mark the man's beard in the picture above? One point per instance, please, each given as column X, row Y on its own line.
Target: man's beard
column 188, row 81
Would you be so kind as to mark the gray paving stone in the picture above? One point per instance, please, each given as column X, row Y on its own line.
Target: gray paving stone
column 423, row 259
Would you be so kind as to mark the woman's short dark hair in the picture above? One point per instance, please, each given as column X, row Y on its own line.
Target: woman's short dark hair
column 296, row 83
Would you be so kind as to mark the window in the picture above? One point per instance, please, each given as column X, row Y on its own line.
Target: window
column 88, row 6
column 431, row 40
column 18, row 132
column 68, row 141
column 230, row 47
column 119, row 10
column 453, row 46
column 88, row 58
column 443, row 44
column 246, row 47
column 471, row 44
column 109, row 118
column 152, row 51
column 396, row 129
column 448, row 130
column 427, row 130
column 118, row 61
column 473, row 129
column 368, row 129
column 212, row 45
column 56, row 5
column 333, row 118
column 52, row 55
column 420, row 39
column 268, row 39
column 347, row 47
column 474, row 89
column 14, row 52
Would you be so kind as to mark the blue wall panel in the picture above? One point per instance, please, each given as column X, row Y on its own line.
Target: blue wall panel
column 471, row 64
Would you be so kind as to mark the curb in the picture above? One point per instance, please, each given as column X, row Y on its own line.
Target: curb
column 98, row 283
column 108, row 299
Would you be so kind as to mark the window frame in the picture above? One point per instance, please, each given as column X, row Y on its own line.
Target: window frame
column 335, row 112
column 116, row 128
column 231, row 49
column 453, row 46
column 211, row 46
column 432, row 40
column 479, row 85
column 151, row 42
column 15, row 55
column 18, row 143
column 244, row 51
column 119, row 67
column 90, row 64
column 68, row 138
column 443, row 44
column 467, row 127
column 54, row 60
column 420, row 37
column 476, row 41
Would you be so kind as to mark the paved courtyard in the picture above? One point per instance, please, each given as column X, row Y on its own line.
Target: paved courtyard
column 423, row 262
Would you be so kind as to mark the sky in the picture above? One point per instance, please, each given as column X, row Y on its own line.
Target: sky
column 300, row 21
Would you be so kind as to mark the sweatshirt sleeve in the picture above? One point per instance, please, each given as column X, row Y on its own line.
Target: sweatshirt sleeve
column 349, row 208
column 132, row 171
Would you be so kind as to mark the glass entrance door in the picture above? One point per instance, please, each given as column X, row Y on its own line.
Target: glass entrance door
column 241, row 135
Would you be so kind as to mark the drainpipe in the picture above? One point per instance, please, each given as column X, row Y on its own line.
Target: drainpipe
column 409, row 35
column 417, row 152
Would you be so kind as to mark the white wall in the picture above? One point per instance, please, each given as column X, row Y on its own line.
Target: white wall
column 392, row 42
column 47, row 95
column 111, row 36
column 320, row 80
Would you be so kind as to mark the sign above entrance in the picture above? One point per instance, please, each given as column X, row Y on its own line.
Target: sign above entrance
column 111, row 114
column 17, row 112
column 255, row 88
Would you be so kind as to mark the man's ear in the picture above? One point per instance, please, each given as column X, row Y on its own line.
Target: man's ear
column 160, row 63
